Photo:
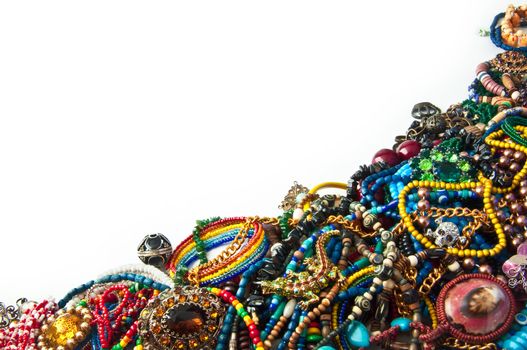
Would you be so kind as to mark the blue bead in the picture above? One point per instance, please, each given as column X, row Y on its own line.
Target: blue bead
column 357, row 334
column 326, row 347
column 402, row 322
column 512, row 345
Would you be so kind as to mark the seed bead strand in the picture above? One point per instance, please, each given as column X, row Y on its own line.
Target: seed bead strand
column 253, row 330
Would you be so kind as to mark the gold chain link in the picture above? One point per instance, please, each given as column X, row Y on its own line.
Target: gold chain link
column 349, row 225
column 430, row 280
column 458, row 344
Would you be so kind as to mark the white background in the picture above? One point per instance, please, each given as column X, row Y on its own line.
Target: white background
column 122, row 118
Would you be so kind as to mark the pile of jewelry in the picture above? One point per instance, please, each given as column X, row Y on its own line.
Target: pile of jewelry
column 424, row 248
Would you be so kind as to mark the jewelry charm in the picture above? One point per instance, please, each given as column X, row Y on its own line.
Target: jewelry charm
column 446, row 234
column 475, row 308
column 182, row 318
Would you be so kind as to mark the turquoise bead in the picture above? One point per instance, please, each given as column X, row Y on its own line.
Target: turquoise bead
column 402, row 322
column 511, row 345
column 358, row 335
column 326, row 347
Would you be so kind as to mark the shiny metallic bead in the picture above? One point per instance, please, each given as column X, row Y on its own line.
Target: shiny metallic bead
column 154, row 249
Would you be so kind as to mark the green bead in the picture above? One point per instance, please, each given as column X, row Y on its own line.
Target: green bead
column 436, row 155
column 425, row 164
column 427, row 177
column 314, row 338
column 83, row 303
column 464, row 165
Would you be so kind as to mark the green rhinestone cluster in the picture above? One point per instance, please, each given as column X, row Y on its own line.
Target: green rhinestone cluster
column 443, row 163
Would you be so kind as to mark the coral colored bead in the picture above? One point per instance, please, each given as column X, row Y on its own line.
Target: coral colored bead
column 408, row 149
column 386, row 155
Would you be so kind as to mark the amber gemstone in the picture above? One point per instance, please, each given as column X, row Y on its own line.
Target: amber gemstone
column 62, row 329
column 185, row 318
column 159, row 311
column 155, row 328
column 165, row 340
column 170, row 302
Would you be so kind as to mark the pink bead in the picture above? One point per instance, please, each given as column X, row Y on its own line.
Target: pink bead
column 408, row 149
column 522, row 249
column 386, row 155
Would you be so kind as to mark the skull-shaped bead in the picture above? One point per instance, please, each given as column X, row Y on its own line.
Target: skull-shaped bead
column 446, row 234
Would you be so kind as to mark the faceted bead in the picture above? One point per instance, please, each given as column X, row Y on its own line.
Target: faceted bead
column 448, row 172
column 425, row 164
column 436, row 155
column 386, row 155
column 185, row 319
column 357, row 334
column 464, row 165
column 408, row 149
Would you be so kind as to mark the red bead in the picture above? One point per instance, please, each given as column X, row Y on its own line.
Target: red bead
column 231, row 298
column 253, row 333
column 256, row 340
column 408, row 149
column 252, row 326
column 386, row 155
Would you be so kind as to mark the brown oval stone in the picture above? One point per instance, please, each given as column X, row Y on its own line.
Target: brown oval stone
column 185, row 318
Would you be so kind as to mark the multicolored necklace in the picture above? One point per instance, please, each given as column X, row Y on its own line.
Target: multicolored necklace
column 423, row 248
